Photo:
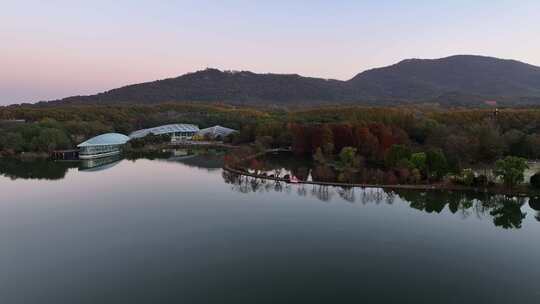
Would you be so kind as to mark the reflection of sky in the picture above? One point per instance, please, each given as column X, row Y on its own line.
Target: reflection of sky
column 143, row 230
column 122, row 178
column 53, row 49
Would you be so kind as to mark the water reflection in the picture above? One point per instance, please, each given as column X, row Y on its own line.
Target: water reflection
column 210, row 160
column 534, row 204
column 504, row 211
column 99, row 164
column 39, row 169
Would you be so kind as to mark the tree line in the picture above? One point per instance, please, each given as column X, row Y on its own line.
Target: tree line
column 414, row 142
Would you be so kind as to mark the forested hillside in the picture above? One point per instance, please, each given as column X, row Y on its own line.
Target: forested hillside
column 451, row 81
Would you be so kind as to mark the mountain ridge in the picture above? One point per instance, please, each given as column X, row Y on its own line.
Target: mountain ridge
column 408, row 81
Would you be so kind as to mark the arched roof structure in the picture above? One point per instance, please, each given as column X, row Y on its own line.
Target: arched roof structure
column 105, row 140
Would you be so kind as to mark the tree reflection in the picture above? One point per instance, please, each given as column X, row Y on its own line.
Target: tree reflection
column 534, row 203
column 507, row 213
column 37, row 169
column 346, row 193
column 301, row 190
column 322, row 193
column 504, row 212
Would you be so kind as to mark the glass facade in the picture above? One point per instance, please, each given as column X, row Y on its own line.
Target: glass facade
column 93, row 150
column 102, row 145
column 174, row 130
column 184, row 134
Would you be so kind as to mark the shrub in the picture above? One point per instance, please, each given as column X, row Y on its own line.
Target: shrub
column 347, row 156
column 535, row 180
column 480, row 180
column 396, row 154
column 511, row 170
column 419, row 160
column 319, row 156
column 466, row 177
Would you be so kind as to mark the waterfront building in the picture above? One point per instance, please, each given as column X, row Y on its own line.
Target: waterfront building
column 215, row 132
column 177, row 132
column 102, row 145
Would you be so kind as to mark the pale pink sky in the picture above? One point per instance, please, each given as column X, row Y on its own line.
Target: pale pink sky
column 57, row 48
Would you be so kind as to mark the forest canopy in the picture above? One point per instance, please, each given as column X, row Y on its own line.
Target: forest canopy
column 465, row 137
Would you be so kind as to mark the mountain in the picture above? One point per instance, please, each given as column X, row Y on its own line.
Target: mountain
column 417, row 79
column 212, row 85
column 455, row 80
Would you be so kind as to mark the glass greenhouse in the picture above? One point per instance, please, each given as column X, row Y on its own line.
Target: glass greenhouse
column 215, row 132
column 102, row 145
column 176, row 131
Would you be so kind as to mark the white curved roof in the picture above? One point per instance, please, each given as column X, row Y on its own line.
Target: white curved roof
column 165, row 129
column 105, row 139
column 216, row 131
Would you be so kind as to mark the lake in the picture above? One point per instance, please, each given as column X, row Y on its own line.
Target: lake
column 177, row 229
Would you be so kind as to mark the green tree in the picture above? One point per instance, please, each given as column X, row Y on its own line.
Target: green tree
column 347, row 156
column 419, row 160
column 511, row 170
column 396, row 154
column 50, row 139
column 436, row 163
column 491, row 144
column 11, row 141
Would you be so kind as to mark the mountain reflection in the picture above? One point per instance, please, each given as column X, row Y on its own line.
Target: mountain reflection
column 504, row 211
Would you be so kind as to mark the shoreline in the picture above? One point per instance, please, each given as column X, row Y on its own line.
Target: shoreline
column 424, row 187
column 30, row 156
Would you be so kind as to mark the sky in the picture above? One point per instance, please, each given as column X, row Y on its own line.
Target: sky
column 55, row 48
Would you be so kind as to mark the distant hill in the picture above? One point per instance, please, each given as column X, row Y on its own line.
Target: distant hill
column 418, row 79
column 457, row 80
column 213, row 85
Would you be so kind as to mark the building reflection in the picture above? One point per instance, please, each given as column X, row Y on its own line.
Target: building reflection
column 206, row 159
column 99, row 164
column 505, row 212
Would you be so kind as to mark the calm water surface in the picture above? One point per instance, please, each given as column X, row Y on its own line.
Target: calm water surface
column 183, row 231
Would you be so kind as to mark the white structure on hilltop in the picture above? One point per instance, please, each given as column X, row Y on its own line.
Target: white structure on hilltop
column 215, row 132
column 176, row 131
